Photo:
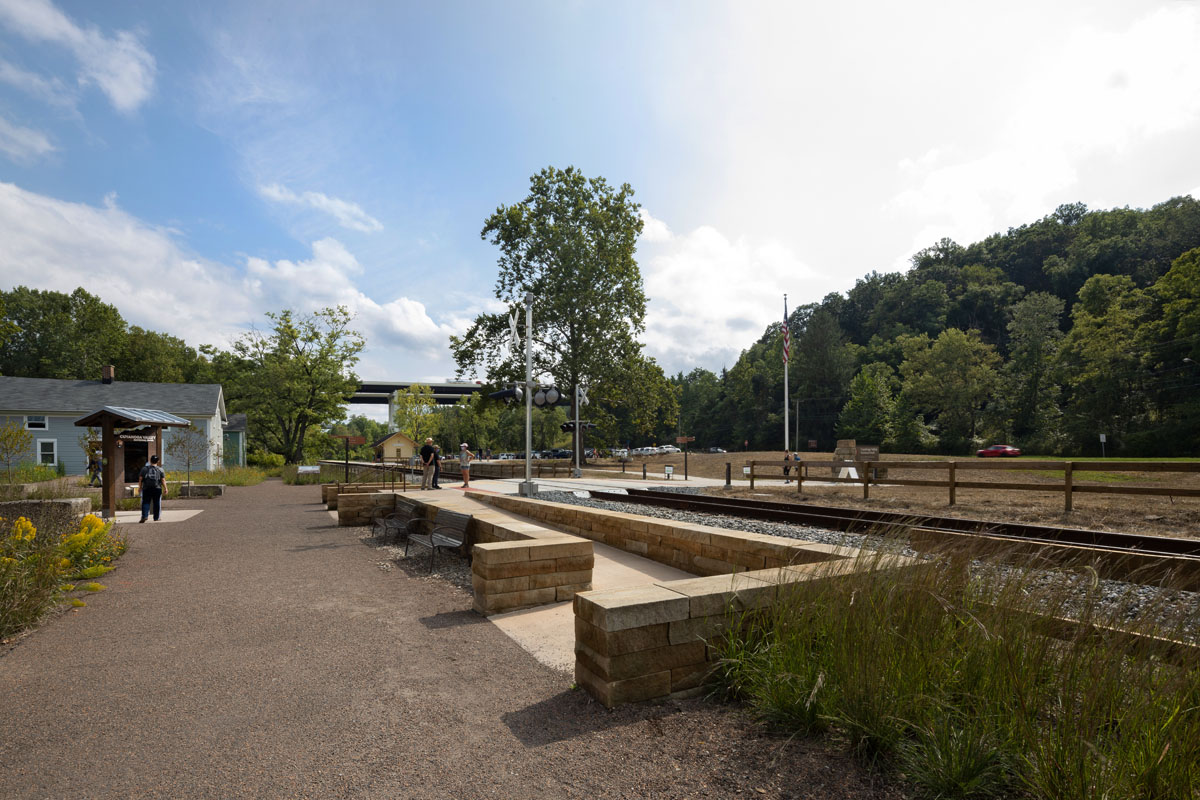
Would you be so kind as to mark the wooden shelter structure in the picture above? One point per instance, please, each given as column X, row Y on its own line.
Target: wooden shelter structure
column 122, row 428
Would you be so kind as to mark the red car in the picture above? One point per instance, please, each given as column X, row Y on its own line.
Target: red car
column 998, row 450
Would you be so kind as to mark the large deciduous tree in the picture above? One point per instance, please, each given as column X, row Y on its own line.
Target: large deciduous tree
column 570, row 244
column 293, row 379
column 953, row 378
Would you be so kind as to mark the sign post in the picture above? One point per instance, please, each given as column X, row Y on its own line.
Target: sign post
column 350, row 440
column 683, row 440
column 1103, row 439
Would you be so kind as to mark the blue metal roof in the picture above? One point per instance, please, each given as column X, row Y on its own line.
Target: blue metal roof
column 135, row 416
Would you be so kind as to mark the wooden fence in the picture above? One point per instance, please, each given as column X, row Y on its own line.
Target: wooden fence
column 878, row 473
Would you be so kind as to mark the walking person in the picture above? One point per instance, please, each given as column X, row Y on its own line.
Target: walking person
column 427, row 461
column 94, row 471
column 465, row 457
column 152, row 485
column 437, row 466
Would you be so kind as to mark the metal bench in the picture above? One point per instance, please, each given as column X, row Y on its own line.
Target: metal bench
column 398, row 525
column 449, row 533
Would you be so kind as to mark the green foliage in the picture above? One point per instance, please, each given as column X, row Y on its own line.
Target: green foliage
column 958, row 683
column 226, row 476
column 868, row 414
column 293, row 380
column 16, row 445
column 952, row 379
column 570, row 244
column 414, row 412
column 40, row 555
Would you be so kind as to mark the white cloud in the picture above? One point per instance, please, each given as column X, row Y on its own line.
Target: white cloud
column 50, row 90
column 711, row 296
column 1122, row 90
column 22, row 145
column 122, row 68
column 349, row 215
column 47, row 243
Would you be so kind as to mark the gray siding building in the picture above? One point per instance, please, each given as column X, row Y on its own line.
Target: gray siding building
column 47, row 409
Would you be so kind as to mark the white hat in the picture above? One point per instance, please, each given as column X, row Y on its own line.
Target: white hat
column 464, row 444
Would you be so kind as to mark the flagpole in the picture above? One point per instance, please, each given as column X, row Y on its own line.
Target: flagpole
column 786, row 347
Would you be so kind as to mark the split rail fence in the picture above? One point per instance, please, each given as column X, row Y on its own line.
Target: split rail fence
column 878, row 473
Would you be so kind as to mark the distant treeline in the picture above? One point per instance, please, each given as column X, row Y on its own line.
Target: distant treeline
column 1080, row 324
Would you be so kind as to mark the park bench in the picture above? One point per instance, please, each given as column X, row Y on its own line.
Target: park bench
column 398, row 525
column 449, row 533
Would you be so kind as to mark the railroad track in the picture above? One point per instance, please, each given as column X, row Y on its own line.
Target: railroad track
column 1143, row 559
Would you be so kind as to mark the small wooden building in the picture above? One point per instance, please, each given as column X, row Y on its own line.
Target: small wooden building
column 394, row 446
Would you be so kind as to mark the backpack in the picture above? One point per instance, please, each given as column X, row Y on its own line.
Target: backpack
column 153, row 478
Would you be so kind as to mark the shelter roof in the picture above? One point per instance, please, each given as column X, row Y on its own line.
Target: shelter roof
column 129, row 417
column 393, row 435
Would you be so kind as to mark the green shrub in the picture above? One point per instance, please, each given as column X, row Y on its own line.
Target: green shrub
column 967, row 685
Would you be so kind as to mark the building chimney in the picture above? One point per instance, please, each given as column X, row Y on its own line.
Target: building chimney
column 108, row 373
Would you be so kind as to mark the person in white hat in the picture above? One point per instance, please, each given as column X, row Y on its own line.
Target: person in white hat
column 465, row 457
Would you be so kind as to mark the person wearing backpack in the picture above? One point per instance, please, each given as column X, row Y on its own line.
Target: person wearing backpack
column 153, row 486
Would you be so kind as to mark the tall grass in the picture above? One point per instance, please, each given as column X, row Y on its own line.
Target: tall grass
column 968, row 686
column 228, row 476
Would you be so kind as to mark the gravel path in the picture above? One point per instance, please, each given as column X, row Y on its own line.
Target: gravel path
column 257, row 650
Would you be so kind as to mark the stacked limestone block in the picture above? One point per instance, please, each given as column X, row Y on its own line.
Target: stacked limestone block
column 508, row 575
column 698, row 549
column 359, row 508
column 847, row 451
column 330, row 491
column 654, row 641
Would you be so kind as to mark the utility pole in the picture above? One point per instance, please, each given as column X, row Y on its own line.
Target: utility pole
column 528, row 488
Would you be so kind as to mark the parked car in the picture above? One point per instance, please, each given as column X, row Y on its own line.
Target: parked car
column 669, row 448
column 716, row 450
column 621, row 452
column 998, row 451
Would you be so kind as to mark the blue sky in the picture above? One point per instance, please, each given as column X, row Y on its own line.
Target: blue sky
column 200, row 164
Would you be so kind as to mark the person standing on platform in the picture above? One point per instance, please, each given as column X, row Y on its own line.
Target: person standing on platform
column 465, row 457
column 787, row 470
column 152, row 485
column 437, row 466
column 427, row 461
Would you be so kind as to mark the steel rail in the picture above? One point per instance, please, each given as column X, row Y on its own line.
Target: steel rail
column 855, row 520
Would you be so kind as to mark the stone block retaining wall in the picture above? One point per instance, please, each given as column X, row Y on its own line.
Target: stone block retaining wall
column 698, row 549
column 652, row 641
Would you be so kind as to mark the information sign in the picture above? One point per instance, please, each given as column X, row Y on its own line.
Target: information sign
column 684, row 439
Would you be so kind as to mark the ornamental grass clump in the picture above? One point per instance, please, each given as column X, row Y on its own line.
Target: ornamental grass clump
column 978, row 681
column 37, row 565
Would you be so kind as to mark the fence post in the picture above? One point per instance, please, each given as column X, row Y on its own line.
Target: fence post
column 800, row 471
column 751, row 475
column 866, row 478
column 728, row 475
column 1067, row 485
column 643, row 470
column 951, row 482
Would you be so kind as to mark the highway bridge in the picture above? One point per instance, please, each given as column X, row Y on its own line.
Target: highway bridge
column 446, row 393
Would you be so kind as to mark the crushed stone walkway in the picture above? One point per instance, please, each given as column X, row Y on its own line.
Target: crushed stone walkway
column 256, row 650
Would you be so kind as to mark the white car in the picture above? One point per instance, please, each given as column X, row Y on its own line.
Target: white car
column 621, row 453
column 669, row 448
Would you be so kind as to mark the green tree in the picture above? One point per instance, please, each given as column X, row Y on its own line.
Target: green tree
column 952, row 378
column 59, row 335
column 867, row 415
column 1104, row 368
column 414, row 412
column 16, row 445
column 292, row 380
column 1030, row 394
column 189, row 446
column 570, row 244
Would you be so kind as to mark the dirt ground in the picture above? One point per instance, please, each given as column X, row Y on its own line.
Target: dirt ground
column 258, row 650
column 1151, row 514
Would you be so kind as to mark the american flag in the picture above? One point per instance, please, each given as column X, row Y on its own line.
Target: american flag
column 787, row 334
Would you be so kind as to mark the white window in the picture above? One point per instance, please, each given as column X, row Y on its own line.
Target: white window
column 36, row 422
column 47, row 451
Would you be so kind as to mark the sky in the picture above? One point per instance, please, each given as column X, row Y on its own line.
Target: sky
column 198, row 165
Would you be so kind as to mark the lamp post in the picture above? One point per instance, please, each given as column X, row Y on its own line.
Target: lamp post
column 528, row 488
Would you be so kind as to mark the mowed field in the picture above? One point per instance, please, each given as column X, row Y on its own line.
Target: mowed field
column 1164, row 515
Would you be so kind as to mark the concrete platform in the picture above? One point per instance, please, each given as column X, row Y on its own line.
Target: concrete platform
column 167, row 515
